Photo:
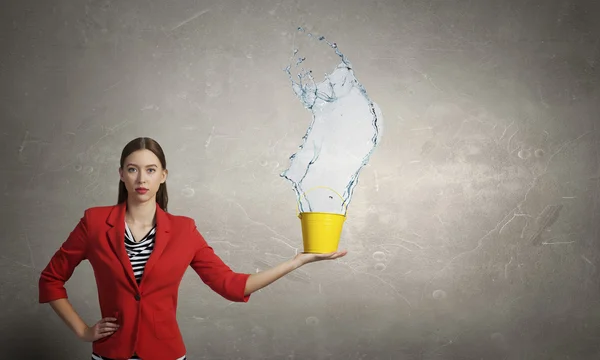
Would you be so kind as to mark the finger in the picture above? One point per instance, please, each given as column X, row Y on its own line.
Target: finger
column 107, row 319
column 108, row 328
column 103, row 335
column 111, row 326
column 328, row 255
column 332, row 256
column 322, row 256
column 104, row 329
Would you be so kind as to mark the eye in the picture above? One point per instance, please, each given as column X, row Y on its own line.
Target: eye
column 151, row 169
column 131, row 169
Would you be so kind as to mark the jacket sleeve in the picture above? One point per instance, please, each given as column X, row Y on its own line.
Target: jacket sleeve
column 215, row 273
column 63, row 263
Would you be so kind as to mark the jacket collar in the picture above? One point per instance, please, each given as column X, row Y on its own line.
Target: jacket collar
column 116, row 216
column 116, row 236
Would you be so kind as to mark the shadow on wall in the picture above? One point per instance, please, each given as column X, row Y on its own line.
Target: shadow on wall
column 539, row 335
column 28, row 336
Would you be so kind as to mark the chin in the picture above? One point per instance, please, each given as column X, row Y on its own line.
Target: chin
column 142, row 198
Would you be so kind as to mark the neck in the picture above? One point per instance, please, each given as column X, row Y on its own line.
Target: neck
column 141, row 213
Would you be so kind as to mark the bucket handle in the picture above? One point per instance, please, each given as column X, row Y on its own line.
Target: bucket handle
column 321, row 187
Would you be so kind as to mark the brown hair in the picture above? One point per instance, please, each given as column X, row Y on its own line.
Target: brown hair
column 141, row 143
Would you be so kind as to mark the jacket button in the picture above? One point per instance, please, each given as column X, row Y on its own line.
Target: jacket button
column 137, row 297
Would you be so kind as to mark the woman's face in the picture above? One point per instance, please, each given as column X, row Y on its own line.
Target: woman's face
column 142, row 175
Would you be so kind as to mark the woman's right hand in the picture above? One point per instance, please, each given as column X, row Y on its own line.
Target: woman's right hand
column 101, row 329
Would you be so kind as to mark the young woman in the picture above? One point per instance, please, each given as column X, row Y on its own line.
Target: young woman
column 139, row 253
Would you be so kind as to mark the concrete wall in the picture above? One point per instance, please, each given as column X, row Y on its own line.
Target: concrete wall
column 473, row 232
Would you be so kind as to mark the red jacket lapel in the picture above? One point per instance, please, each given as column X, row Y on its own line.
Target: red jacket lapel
column 163, row 226
column 116, row 237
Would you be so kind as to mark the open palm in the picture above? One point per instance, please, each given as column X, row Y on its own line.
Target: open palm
column 305, row 258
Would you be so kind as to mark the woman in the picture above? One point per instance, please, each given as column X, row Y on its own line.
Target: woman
column 139, row 254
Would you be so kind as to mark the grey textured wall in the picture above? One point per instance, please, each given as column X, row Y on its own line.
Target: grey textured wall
column 473, row 232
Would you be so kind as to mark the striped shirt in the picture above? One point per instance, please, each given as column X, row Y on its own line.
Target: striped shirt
column 139, row 253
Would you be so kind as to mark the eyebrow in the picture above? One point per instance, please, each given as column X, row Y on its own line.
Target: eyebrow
column 151, row 165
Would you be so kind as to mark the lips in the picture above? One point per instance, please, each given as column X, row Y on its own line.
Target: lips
column 141, row 190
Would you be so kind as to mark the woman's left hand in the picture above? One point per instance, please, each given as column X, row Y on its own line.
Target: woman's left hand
column 305, row 258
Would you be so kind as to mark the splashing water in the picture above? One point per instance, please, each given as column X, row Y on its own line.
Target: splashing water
column 345, row 129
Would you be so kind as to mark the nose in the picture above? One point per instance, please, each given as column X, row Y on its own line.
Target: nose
column 141, row 178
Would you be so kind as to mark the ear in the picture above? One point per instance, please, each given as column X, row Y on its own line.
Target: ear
column 165, row 173
column 121, row 173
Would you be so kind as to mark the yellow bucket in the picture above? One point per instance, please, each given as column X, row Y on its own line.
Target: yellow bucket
column 321, row 231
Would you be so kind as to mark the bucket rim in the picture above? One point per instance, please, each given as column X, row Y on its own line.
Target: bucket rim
column 320, row 212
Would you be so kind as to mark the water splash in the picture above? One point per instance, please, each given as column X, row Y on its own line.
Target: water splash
column 345, row 129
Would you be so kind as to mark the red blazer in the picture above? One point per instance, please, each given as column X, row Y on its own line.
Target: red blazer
column 146, row 313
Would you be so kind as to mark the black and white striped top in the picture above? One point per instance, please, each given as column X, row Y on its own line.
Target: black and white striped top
column 139, row 253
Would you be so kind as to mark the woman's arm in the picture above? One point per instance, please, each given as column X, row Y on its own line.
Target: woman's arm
column 63, row 263
column 261, row 279
column 58, row 272
column 101, row 329
column 65, row 311
column 238, row 286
